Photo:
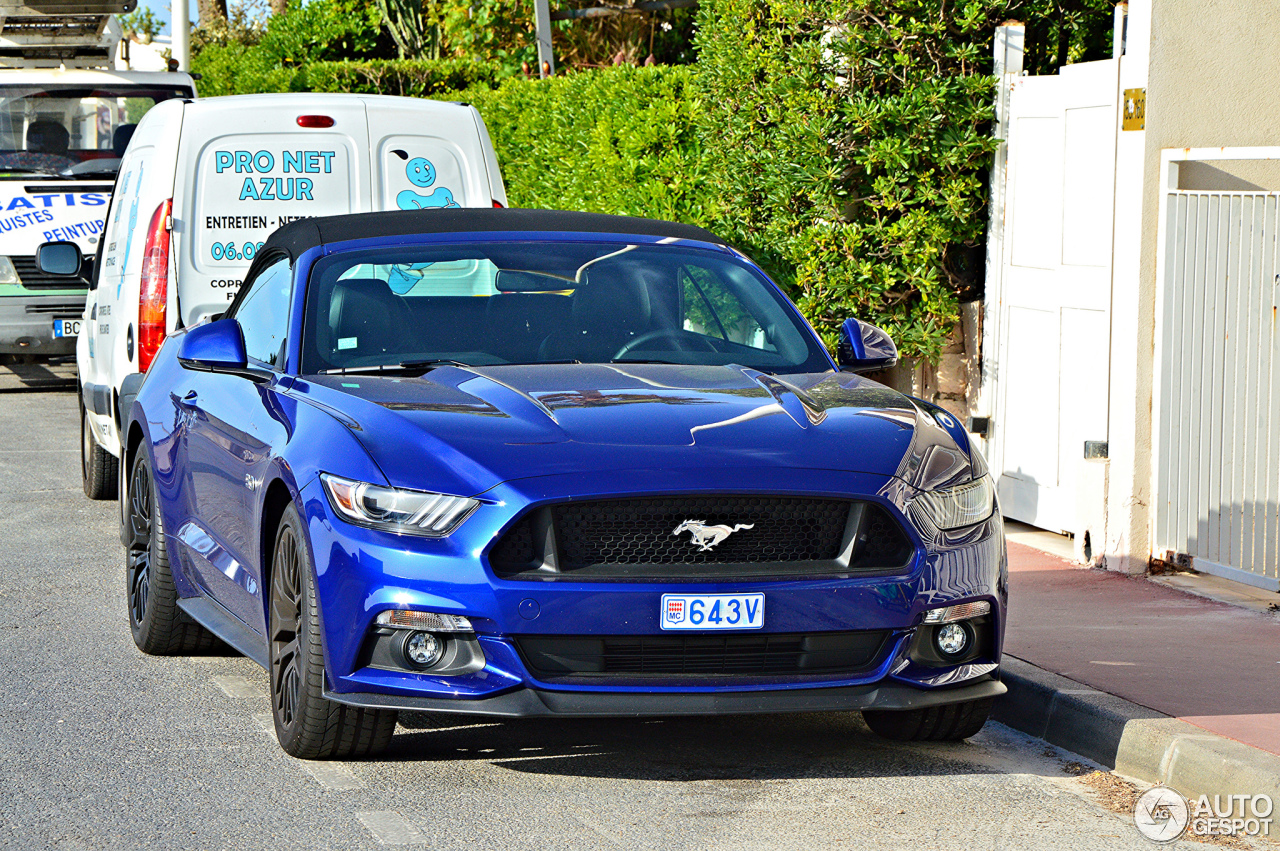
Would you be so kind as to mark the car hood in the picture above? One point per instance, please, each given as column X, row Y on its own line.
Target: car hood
column 465, row 430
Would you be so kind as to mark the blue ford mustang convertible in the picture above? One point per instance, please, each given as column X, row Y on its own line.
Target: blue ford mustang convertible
column 518, row 462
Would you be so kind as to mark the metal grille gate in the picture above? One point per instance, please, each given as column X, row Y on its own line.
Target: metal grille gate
column 1216, row 411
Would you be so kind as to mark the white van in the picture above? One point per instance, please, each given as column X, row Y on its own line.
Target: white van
column 204, row 182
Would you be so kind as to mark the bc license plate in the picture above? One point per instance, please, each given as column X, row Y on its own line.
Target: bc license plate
column 66, row 327
column 712, row 611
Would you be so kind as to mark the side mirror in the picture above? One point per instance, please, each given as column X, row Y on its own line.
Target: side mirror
column 216, row 347
column 864, row 348
column 59, row 258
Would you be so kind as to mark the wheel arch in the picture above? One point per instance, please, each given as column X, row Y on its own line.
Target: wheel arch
column 131, row 447
column 276, row 499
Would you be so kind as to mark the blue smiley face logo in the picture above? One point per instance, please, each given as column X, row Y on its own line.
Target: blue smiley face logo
column 422, row 173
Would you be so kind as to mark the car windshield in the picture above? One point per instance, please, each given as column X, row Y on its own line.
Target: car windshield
column 74, row 132
column 542, row 302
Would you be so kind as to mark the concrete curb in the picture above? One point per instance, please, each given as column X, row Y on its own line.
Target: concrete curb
column 1135, row 741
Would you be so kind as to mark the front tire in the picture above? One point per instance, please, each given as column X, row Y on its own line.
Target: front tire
column 159, row 627
column 308, row 725
column 99, row 469
column 949, row 723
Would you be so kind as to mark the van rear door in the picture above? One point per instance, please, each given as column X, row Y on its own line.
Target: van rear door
column 256, row 169
column 426, row 155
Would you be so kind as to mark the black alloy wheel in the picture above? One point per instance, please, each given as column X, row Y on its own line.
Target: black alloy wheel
column 309, row 725
column 138, row 554
column 159, row 627
column 286, row 623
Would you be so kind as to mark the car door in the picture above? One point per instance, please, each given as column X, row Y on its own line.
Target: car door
column 233, row 423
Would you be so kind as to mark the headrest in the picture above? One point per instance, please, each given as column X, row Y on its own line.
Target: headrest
column 120, row 139
column 47, row 137
column 357, row 298
column 612, row 300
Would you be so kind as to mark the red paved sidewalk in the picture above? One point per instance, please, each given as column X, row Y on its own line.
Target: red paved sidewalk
column 1208, row 663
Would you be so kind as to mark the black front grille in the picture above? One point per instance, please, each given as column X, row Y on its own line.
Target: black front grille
column 33, row 279
column 642, row 531
column 824, row 653
column 58, row 309
column 637, row 539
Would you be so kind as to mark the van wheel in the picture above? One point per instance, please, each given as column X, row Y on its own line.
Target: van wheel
column 308, row 725
column 159, row 627
column 98, row 468
column 949, row 723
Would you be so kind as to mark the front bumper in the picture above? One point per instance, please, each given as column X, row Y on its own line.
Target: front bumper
column 26, row 323
column 361, row 572
column 541, row 702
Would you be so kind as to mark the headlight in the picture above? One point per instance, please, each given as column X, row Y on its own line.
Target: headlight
column 395, row 510
column 8, row 274
column 953, row 508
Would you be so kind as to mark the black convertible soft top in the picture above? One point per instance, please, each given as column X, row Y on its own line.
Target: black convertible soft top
column 296, row 237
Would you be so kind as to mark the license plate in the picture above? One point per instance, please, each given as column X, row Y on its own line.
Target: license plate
column 712, row 611
column 66, row 327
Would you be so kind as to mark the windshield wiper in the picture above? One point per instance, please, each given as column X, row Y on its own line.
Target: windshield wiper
column 648, row 360
column 534, row 362
column 406, row 366
column 90, row 173
column 30, row 169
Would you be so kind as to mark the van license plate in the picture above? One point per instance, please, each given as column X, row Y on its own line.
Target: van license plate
column 66, row 327
column 712, row 611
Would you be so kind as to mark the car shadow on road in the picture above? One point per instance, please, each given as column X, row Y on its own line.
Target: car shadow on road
column 737, row 747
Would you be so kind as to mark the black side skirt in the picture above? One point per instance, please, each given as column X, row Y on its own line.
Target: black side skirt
column 210, row 615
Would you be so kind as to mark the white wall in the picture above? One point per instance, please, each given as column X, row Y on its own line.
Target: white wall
column 1211, row 69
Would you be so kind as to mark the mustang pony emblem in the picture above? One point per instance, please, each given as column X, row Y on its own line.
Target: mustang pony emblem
column 705, row 537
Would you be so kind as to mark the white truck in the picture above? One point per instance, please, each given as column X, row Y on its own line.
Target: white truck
column 65, row 120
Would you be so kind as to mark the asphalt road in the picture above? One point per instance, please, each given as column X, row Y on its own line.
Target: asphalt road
column 103, row 747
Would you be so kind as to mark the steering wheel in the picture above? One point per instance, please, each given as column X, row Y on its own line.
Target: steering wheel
column 674, row 334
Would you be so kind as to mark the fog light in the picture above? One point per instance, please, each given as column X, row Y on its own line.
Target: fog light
column 423, row 649
column 952, row 639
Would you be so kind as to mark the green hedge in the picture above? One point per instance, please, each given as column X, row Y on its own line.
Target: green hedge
column 621, row 140
column 853, row 154
column 239, row 70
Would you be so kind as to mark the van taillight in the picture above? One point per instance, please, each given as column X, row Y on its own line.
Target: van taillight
column 315, row 121
column 153, row 293
column 497, row 204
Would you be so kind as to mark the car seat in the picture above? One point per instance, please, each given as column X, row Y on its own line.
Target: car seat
column 48, row 137
column 366, row 318
column 120, row 138
column 517, row 323
column 609, row 311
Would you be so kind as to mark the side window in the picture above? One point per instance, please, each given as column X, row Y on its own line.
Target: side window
column 711, row 308
column 263, row 313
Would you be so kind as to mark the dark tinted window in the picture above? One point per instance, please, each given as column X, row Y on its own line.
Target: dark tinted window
column 263, row 313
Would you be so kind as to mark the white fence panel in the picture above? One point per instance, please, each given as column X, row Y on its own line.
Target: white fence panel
column 1217, row 396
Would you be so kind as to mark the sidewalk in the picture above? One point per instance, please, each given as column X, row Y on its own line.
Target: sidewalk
column 1214, row 666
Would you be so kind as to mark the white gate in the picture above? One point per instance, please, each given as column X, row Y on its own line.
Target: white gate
column 1216, row 406
column 1052, row 298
